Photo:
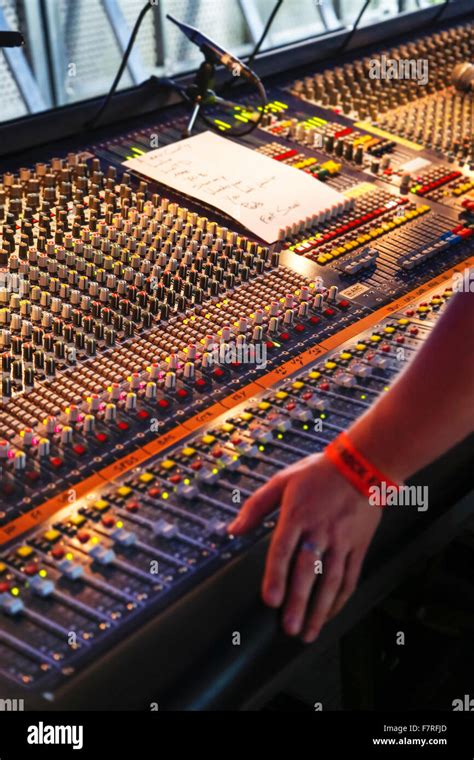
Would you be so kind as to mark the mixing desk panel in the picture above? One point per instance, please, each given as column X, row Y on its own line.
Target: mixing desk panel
column 158, row 363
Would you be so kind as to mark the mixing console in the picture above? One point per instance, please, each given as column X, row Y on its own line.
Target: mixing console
column 158, row 363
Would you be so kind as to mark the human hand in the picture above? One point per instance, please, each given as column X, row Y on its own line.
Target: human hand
column 322, row 534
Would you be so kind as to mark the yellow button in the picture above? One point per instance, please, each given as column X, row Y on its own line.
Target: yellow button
column 314, row 375
column 227, row 427
column 375, row 338
column 51, row 535
column 297, row 385
column 188, row 451
column 208, row 439
column 147, row 477
column 101, row 505
column 403, row 321
column 3, row 567
column 361, row 347
column 167, row 464
column 321, row 259
column 124, row 491
column 345, row 356
column 264, row 405
column 78, row 520
column 281, row 395
column 422, row 309
column 24, row 551
column 246, row 416
column 389, row 330
column 330, row 365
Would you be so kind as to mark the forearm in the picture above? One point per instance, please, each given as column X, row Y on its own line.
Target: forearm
column 430, row 407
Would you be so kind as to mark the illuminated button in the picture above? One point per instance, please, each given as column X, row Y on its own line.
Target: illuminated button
column 163, row 403
column 227, row 427
column 280, row 395
column 78, row 520
column 79, row 449
column 360, row 347
column 345, row 356
column 31, row 569
column 188, row 451
column 247, row 416
column 124, row 491
column 123, row 425
column 297, row 385
column 403, row 321
column 146, row 477
column 51, row 535
column 101, row 505
column 208, row 439
column 314, row 375
column 3, row 567
column 330, row 365
column 389, row 330
column 101, row 437
column 375, row 338
column 168, row 464
column 56, row 462
column 24, row 552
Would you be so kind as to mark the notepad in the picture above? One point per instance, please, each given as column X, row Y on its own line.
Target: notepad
column 267, row 197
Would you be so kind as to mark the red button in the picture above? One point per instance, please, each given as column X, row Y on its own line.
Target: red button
column 175, row 479
column 285, row 336
column 329, row 312
column 101, row 437
column 315, row 320
column 196, row 465
column 218, row 372
column 344, row 304
column 4, row 587
column 307, row 396
column 200, row 383
column 31, row 569
column 154, row 492
column 83, row 536
column 299, row 328
column 58, row 552
column 324, row 386
column 79, row 449
column 143, row 414
column 182, row 393
column 123, row 425
column 132, row 506
column 56, row 462
column 163, row 403
column 108, row 521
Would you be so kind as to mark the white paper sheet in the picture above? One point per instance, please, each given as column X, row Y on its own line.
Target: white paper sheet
column 262, row 194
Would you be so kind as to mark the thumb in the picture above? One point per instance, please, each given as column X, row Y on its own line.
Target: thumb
column 260, row 504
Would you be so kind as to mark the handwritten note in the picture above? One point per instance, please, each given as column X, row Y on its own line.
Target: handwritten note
column 262, row 194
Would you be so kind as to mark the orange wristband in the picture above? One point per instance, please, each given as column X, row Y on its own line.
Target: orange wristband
column 355, row 467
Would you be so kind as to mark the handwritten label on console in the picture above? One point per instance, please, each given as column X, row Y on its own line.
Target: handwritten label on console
column 260, row 193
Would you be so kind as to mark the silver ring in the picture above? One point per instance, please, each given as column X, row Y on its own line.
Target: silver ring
column 310, row 546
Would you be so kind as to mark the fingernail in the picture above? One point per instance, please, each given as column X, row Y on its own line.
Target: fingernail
column 233, row 526
column 310, row 636
column 271, row 597
column 290, row 625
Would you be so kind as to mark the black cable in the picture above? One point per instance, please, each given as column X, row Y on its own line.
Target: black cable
column 440, row 12
column 354, row 28
column 92, row 122
column 259, row 44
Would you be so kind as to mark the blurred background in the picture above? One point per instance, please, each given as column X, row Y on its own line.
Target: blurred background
column 74, row 47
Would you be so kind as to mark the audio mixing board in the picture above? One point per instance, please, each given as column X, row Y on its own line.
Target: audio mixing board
column 125, row 447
